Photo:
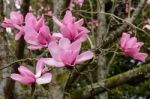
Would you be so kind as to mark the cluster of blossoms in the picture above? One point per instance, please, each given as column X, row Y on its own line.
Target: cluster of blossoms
column 64, row 47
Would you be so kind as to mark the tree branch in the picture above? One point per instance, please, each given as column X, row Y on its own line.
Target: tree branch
column 115, row 81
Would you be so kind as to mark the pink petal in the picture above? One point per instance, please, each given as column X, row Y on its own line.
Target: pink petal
column 55, row 50
column 131, row 42
column 68, row 18
column 57, row 36
column 30, row 35
column 24, row 80
column 44, row 36
column 30, row 20
column 64, row 43
column 35, row 47
column 82, row 37
column 125, row 37
column 39, row 67
column 52, row 62
column 76, row 45
column 18, row 35
column 69, row 56
column 80, row 22
column 16, row 17
column 140, row 56
column 44, row 79
column 66, row 33
column 40, row 23
column 84, row 56
column 25, row 72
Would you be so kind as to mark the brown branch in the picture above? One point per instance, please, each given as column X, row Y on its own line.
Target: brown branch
column 115, row 81
column 117, row 33
column 10, row 85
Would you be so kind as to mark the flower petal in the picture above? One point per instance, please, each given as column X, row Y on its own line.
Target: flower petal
column 40, row 23
column 140, row 56
column 30, row 35
column 39, row 67
column 55, row 50
column 35, row 47
column 64, row 43
column 25, row 71
column 84, row 56
column 24, row 80
column 44, row 79
column 30, row 20
column 125, row 37
column 52, row 62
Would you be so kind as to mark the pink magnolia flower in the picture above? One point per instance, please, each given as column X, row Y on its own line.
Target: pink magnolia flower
column 131, row 47
column 16, row 21
column 148, row 25
column 31, row 21
column 37, row 40
column 28, row 78
column 66, row 54
column 71, row 29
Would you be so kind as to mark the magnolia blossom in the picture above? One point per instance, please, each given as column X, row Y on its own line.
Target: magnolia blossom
column 16, row 21
column 28, row 78
column 37, row 33
column 71, row 29
column 37, row 40
column 131, row 47
column 66, row 54
column 148, row 25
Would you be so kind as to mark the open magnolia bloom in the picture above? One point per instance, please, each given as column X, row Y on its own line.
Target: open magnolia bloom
column 37, row 40
column 16, row 21
column 66, row 54
column 131, row 47
column 28, row 78
column 71, row 29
